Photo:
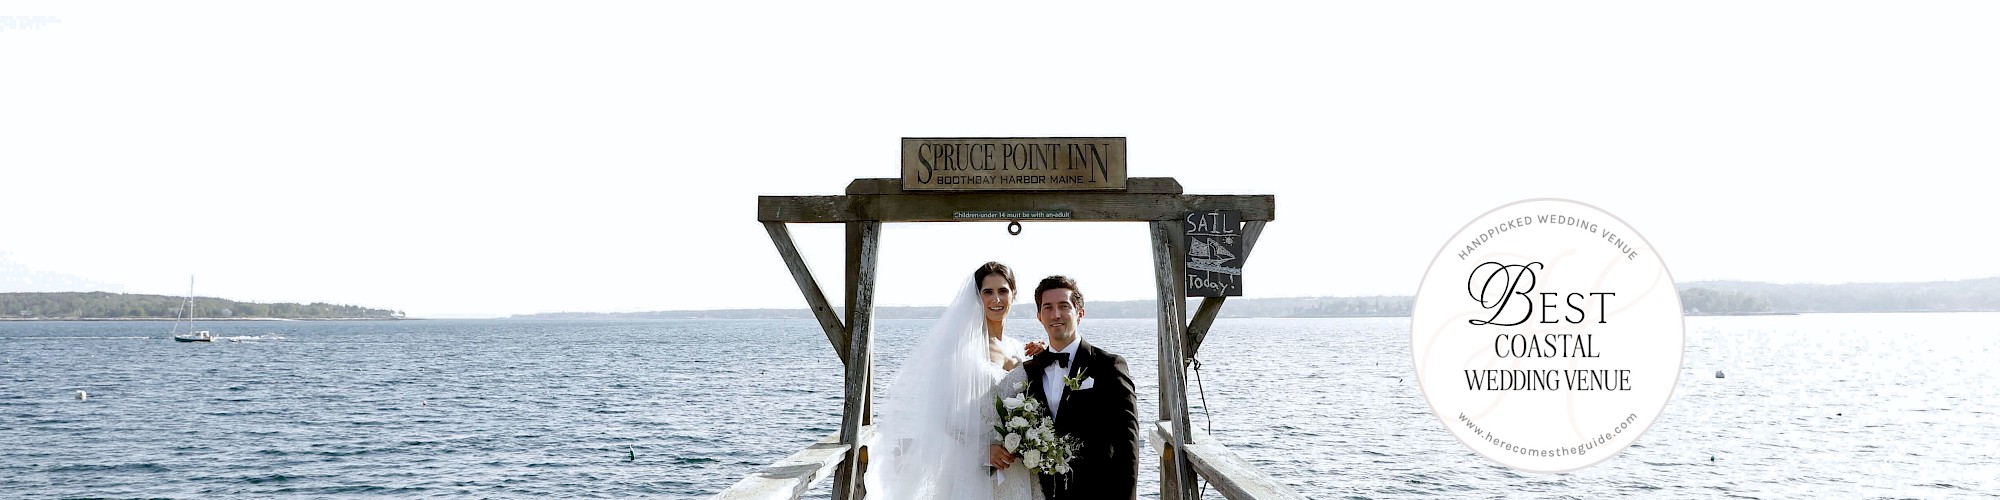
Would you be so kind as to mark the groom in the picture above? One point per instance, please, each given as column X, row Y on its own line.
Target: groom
column 1089, row 393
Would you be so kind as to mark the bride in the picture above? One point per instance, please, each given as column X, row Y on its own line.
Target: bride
column 934, row 435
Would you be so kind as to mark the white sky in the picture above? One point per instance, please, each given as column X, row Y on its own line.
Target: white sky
column 482, row 159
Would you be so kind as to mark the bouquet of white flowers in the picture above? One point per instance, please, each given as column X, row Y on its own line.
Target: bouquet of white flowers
column 1023, row 430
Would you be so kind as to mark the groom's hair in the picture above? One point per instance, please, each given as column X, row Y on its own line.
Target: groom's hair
column 1059, row 282
column 992, row 268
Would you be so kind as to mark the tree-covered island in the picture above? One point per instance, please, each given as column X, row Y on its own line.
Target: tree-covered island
column 105, row 305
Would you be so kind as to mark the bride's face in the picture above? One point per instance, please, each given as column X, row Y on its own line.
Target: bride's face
column 996, row 296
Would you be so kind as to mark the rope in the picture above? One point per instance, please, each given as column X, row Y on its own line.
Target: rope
column 1206, row 420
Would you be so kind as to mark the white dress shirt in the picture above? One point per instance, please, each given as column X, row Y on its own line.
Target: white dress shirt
column 1052, row 378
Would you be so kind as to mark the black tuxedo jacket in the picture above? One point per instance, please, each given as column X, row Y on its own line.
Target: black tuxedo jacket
column 1104, row 417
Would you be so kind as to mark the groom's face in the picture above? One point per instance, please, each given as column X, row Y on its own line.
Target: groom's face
column 1058, row 314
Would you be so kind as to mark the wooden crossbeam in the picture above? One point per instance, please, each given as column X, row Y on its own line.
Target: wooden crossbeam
column 873, row 201
column 1144, row 185
column 836, row 333
column 1204, row 315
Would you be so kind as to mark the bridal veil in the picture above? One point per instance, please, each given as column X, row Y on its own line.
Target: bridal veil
column 930, row 442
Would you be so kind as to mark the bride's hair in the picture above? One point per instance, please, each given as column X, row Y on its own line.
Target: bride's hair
column 929, row 427
column 992, row 268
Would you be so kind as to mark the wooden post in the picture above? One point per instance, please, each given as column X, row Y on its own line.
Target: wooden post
column 862, row 238
column 836, row 333
column 1197, row 329
column 1177, row 478
column 1170, row 476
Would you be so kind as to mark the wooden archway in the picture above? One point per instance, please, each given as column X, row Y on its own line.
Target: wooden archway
column 1186, row 452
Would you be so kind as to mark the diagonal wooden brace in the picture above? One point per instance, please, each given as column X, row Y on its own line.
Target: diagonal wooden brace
column 836, row 333
column 1204, row 315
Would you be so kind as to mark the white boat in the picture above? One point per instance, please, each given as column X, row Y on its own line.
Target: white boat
column 187, row 308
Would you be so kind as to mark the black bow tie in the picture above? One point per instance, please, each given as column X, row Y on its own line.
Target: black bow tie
column 1060, row 358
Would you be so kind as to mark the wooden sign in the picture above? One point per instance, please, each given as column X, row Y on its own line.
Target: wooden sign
column 1214, row 249
column 1013, row 163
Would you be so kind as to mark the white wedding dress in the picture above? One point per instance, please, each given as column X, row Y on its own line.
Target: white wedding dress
column 936, row 419
column 1014, row 482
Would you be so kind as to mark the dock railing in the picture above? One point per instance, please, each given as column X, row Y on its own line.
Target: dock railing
column 790, row 477
column 1227, row 473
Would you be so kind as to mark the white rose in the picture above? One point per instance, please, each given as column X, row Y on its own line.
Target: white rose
column 1018, row 423
column 1032, row 405
column 1013, row 443
column 1033, row 458
column 1063, row 469
column 1048, row 434
column 1013, row 403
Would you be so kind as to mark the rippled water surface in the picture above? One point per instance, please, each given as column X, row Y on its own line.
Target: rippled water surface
column 1842, row 405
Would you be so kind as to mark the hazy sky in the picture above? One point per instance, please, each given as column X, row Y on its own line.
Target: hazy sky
column 488, row 159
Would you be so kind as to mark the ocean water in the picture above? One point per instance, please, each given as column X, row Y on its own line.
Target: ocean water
column 1840, row 405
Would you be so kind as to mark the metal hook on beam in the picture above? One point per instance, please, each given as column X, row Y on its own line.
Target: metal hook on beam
column 1014, row 228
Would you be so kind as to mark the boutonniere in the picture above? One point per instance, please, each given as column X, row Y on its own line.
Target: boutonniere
column 1076, row 383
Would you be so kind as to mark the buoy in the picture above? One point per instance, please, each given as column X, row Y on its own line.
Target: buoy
column 80, row 395
column 634, row 454
column 1718, row 374
column 1711, row 458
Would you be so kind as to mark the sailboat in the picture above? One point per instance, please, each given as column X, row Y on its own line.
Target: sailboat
column 192, row 335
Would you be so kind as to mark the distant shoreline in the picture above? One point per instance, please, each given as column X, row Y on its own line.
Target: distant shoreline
column 1783, row 313
column 106, row 306
column 612, row 317
column 209, row 319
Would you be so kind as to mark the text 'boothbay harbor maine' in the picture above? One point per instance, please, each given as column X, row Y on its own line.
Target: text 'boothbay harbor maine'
column 1051, row 163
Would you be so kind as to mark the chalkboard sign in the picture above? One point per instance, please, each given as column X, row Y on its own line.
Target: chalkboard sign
column 1214, row 250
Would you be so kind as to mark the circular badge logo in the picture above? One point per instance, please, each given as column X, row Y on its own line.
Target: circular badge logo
column 1547, row 335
